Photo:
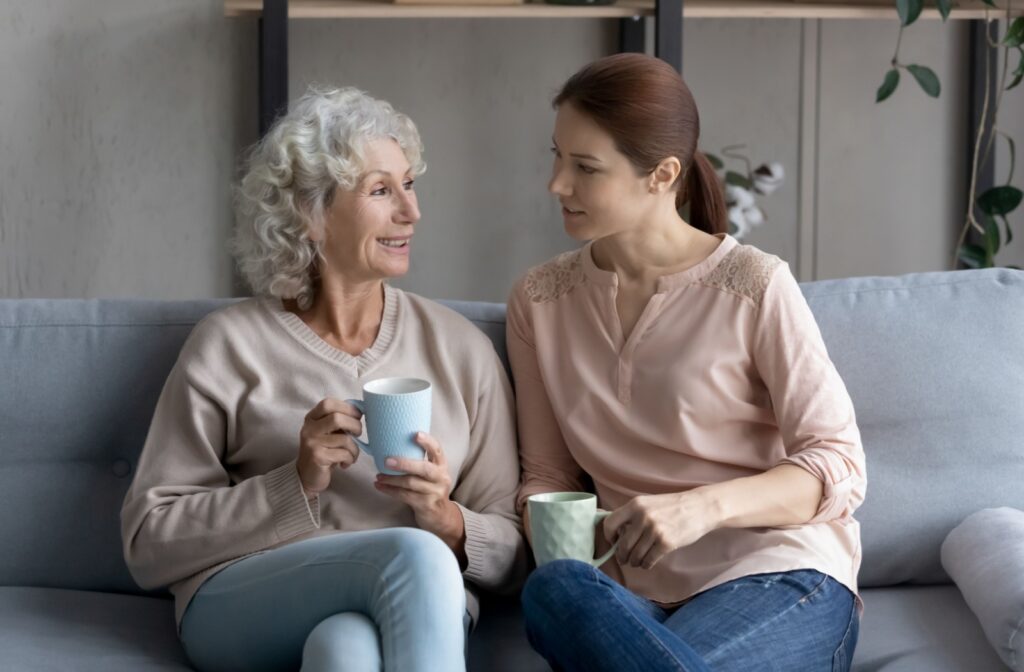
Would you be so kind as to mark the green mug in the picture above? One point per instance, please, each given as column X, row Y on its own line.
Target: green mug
column 562, row 527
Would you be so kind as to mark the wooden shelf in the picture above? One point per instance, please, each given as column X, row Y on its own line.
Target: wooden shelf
column 692, row 9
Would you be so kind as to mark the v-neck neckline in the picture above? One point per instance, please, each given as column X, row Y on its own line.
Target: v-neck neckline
column 359, row 364
column 626, row 345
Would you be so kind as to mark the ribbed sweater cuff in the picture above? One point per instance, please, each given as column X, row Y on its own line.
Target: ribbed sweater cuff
column 478, row 540
column 293, row 513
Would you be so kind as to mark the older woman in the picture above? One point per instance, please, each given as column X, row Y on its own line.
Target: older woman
column 251, row 501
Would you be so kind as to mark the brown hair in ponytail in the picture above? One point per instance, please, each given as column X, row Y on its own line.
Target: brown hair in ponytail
column 646, row 107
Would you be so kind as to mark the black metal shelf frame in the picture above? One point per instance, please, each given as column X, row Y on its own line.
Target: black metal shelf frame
column 273, row 49
column 668, row 46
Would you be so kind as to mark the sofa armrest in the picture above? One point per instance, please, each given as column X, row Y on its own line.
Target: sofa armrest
column 984, row 555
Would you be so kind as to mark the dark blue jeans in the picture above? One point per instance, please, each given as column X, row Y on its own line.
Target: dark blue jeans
column 579, row 619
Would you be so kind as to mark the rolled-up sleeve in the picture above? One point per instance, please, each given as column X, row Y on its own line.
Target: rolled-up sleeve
column 812, row 406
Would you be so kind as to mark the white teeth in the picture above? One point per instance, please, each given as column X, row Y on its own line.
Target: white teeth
column 392, row 243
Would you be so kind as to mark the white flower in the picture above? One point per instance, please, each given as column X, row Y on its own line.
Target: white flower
column 739, row 222
column 769, row 177
column 754, row 216
column 738, row 196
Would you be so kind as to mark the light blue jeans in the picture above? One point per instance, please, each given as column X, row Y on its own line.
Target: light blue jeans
column 390, row 599
column 799, row 621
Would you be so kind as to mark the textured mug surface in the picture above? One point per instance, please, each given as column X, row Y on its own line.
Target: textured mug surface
column 394, row 409
column 562, row 527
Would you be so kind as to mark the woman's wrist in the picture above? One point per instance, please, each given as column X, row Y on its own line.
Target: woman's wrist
column 716, row 506
column 450, row 527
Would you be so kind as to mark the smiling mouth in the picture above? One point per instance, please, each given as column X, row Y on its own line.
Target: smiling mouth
column 570, row 211
column 394, row 243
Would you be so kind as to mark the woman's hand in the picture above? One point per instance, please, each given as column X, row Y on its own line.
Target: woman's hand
column 325, row 442
column 651, row 526
column 426, row 487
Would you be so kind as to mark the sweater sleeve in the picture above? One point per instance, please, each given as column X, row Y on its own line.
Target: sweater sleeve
column 488, row 481
column 182, row 514
column 812, row 407
column 547, row 464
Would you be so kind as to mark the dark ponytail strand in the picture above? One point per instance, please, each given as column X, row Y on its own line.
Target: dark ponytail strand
column 704, row 192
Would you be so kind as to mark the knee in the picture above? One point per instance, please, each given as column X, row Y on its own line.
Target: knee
column 554, row 586
column 424, row 554
column 349, row 637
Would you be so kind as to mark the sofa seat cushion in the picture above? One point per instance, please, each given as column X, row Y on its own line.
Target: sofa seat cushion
column 921, row 629
column 55, row 629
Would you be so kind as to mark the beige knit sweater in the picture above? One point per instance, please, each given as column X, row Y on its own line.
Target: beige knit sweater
column 217, row 479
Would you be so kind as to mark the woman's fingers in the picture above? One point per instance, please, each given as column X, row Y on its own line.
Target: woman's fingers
column 431, row 447
column 333, row 423
column 331, row 405
column 411, row 483
column 642, row 547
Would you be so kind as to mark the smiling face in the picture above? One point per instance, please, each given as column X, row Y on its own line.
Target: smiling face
column 598, row 187
column 367, row 233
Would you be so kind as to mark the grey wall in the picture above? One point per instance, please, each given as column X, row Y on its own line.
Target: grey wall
column 121, row 122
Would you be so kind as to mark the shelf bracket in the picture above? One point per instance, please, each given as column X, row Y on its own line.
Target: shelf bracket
column 668, row 32
column 273, row 62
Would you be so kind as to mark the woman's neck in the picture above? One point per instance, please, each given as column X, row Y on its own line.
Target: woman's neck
column 662, row 247
column 346, row 315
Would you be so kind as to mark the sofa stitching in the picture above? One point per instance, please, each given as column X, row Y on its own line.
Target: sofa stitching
column 898, row 288
column 1009, row 642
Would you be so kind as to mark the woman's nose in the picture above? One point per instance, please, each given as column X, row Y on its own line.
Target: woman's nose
column 558, row 184
column 408, row 208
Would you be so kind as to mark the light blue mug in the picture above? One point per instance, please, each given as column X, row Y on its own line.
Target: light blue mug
column 394, row 409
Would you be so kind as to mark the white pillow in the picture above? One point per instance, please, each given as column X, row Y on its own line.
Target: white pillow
column 984, row 555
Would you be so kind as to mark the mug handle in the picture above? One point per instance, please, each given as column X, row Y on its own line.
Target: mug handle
column 597, row 562
column 358, row 403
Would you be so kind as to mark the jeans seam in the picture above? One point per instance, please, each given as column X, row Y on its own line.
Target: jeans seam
column 729, row 645
column 664, row 649
column 846, row 636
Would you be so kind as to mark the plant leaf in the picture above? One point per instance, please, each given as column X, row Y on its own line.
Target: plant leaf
column 944, row 7
column 926, row 78
column 737, row 180
column 1013, row 157
column 1018, row 74
column 1000, row 200
column 892, row 79
column 909, row 10
column 715, row 162
column 973, row 256
column 990, row 3
column 1009, row 232
column 1015, row 33
column 992, row 239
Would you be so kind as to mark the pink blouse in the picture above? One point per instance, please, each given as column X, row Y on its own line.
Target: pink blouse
column 725, row 375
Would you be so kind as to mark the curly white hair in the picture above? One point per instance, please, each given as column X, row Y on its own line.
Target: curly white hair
column 289, row 181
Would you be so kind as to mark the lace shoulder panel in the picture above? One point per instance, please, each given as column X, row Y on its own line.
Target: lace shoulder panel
column 555, row 278
column 745, row 271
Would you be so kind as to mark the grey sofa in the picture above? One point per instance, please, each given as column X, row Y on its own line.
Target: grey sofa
column 934, row 363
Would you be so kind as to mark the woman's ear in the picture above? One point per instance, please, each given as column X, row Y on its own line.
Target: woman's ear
column 664, row 176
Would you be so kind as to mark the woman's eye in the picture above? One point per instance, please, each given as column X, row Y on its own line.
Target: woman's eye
column 408, row 184
column 586, row 169
column 379, row 191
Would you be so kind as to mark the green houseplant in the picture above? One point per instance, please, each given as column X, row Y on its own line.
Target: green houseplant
column 985, row 211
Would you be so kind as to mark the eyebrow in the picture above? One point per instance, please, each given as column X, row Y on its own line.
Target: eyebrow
column 378, row 171
column 578, row 156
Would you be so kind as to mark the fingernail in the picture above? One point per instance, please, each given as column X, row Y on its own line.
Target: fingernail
column 391, row 462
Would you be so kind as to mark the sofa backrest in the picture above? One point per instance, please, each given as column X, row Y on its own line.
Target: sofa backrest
column 934, row 363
